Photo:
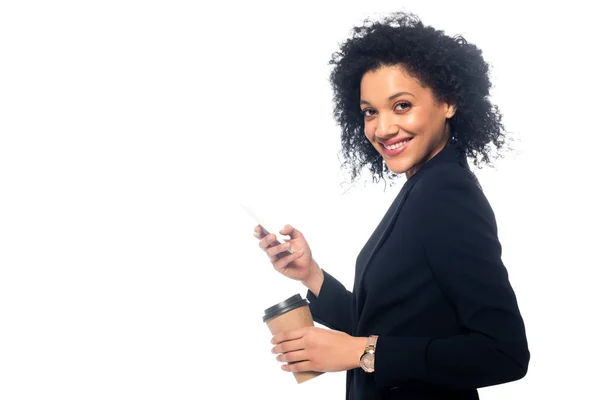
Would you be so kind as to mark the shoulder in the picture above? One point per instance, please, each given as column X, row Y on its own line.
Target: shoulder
column 448, row 192
column 446, row 178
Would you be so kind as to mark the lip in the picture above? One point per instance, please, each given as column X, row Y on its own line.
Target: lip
column 395, row 152
column 394, row 141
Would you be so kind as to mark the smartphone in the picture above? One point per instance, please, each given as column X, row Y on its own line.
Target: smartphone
column 266, row 230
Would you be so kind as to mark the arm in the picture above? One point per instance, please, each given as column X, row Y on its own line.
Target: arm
column 330, row 302
column 464, row 255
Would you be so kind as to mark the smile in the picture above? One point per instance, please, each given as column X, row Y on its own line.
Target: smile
column 396, row 148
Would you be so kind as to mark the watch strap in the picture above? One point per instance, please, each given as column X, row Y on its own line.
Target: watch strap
column 371, row 342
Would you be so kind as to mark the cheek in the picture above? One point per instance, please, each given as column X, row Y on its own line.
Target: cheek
column 369, row 130
column 412, row 123
column 437, row 121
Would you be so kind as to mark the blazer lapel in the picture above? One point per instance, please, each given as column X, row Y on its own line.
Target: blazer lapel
column 381, row 235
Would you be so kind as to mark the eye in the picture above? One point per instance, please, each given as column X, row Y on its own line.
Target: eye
column 368, row 112
column 402, row 106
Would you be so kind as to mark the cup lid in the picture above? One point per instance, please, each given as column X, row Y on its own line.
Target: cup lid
column 289, row 304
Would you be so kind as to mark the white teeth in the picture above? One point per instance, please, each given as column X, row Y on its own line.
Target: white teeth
column 396, row 145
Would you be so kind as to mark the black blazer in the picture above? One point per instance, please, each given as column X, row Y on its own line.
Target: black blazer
column 431, row 283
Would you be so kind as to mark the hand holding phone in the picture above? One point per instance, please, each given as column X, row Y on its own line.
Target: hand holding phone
column 266, row 230
column 295, row 264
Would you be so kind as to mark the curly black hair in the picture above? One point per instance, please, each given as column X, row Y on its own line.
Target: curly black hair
column 451, row 67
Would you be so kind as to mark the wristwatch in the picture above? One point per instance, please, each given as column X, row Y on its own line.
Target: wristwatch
column 367, row 360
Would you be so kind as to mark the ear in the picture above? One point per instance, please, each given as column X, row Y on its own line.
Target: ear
column 450, row 110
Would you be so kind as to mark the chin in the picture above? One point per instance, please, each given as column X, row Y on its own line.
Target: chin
column 398, row 167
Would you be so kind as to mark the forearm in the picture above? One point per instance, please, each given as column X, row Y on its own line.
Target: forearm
column 315, row 281
column 459, row 362
column 332, row 304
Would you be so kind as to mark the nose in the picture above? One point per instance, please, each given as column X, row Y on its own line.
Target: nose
column 386, row 126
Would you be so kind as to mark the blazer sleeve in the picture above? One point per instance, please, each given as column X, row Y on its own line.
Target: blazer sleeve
column 333, row 306
column 459, row 237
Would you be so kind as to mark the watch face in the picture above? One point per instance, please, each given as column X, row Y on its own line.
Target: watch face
column 367, row 362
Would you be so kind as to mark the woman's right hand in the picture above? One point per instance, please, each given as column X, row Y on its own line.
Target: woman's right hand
column 299, row 265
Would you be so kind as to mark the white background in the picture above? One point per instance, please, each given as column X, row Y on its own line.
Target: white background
column 131, row 131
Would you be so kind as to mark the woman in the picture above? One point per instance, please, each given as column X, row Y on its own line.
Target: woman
column 432, row 314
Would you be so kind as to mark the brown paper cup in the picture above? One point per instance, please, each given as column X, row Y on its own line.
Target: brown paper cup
column 291, row 314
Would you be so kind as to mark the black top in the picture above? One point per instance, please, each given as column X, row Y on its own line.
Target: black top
column 431, row 283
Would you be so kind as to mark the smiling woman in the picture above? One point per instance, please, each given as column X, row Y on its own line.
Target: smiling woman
column 398, row 76
column 432, row 314
column 410, row 121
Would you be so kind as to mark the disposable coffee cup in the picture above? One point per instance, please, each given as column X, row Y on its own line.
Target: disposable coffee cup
column 291, row 314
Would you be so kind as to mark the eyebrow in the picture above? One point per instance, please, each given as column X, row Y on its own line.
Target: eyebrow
column 392, row 97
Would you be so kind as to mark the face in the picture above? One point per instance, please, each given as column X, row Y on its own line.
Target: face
column 403, row 120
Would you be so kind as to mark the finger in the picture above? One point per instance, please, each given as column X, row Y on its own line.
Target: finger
column 290, row 231
column 288, row 335
column 266, row 241
column 258, row 232
column 275, row 250
column 297, row 367
column 282, row 262
column 286, row 347
column 293, row 356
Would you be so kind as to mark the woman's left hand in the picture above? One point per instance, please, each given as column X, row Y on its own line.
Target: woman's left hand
column 316, row 349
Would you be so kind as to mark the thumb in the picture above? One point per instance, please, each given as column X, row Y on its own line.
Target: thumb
column 291, row 232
